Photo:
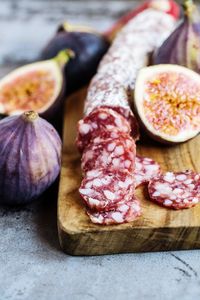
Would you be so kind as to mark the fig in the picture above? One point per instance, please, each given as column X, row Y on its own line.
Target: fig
column 38, row 86
column 30, row 150
column 167, row 102
column 88, row 46
column 182, row 47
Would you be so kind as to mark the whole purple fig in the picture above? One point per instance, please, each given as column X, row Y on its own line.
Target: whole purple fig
column 30, row 150
column 88, row 46
column 182, row 47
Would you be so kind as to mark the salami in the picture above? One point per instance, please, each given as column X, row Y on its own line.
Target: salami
column 113, row 154
column 108, row 158
column 168, row 6
column 102, row 189
column 123, row 213
column 104, row 135
column 100, row 119
column 145, row 170
column 135, row 131
column 129, row 52
column 176, row 190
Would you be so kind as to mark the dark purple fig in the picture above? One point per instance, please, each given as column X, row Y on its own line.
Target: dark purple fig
column 183, row 46
column 88, row 46
column 30, row 150
column 38, row 86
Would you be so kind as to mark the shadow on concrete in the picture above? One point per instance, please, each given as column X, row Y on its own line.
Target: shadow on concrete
column 43, row 213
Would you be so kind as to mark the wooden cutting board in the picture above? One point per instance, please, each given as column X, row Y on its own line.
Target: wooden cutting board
column 158, row 228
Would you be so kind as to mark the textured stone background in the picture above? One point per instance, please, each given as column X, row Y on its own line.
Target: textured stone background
column 32, row 266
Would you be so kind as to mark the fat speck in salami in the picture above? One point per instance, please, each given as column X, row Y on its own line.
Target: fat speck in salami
column 145, row 169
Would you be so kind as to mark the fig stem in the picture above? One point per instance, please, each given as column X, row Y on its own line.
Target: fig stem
column 30, row 116
column 64, row 56
column 65, row 26
column 189, row 7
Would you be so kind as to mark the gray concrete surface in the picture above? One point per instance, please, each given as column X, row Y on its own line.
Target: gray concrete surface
column 32, row 265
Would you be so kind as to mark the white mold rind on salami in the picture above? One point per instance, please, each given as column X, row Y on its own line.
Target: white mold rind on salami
column 145, row 170
column 176, row 190
column 129, row 53
column 102, row 189
column 123, row 213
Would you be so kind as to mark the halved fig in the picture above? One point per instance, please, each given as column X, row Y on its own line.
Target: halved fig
column 167, row 102
column 38, row 86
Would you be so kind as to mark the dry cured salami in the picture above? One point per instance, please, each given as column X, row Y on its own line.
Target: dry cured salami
column 104, row 135
column 123, row 213
column 145, row 170
column 113, row 154
column 135, row 131
column 129, row 53
column 100, row 119
column 108, row 158
column 176, row 190
column 102, row 189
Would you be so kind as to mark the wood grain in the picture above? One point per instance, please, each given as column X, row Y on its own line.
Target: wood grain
column 158, row 229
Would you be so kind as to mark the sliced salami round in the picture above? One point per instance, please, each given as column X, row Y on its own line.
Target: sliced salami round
column 176, row 190
column 102, row 189
column 123, row 213
column 145, row 170
column 112, row 154
column 104, row 135
column 135, row 132
column 100, row 119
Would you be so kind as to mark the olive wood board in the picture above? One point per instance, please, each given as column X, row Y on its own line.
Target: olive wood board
column 156, row 230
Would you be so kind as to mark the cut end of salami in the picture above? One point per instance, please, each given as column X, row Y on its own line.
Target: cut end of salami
column 98, row 120
column 176, row 190
column 123, row 213
column 102, row 189
column 145, row 170
column 128, row 114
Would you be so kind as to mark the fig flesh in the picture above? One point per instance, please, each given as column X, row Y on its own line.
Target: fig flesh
column 167, row 102
column 30, row 150
column 38, row 86
column 88, row 46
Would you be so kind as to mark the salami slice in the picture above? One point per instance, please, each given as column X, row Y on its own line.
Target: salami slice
column 176, row 190
column 113, row 154
column 102, row 189
column 100, row 119
column 135, row 132
column 104, row 135
column 145, row 170
column 123, row 213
